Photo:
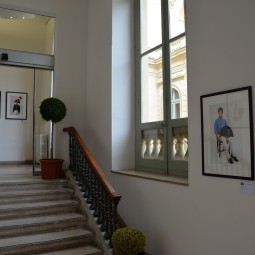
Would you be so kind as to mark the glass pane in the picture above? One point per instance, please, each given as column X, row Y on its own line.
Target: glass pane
column 26, row 32
column 179, row 107
column 42, row 129
column 152, row 144
column 150, row 24
column 180, row 143
column 177, row 17
column 152, row 87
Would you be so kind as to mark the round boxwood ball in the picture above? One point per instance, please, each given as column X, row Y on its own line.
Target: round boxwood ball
column 52, row 109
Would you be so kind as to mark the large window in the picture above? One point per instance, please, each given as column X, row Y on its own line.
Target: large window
column 161, row 82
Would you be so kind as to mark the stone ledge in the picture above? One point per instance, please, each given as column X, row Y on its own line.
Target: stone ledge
column 153, row 176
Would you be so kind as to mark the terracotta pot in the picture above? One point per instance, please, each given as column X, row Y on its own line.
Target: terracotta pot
column 51, row 168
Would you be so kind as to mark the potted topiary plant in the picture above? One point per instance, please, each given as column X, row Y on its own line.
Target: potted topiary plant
column 54, row 110
column 128, row 241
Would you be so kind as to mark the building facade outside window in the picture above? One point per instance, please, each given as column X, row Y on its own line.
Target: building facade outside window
column 161, row 82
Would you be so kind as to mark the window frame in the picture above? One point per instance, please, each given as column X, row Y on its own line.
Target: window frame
column 168, row 166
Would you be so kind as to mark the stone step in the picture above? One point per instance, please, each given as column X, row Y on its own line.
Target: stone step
column 84, row 250
column 41, row 224
column 46, row 242
column 30, row 183
column 22, row 196
column 8, row 211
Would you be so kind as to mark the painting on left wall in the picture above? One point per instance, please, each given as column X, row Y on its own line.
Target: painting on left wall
column 16, row 106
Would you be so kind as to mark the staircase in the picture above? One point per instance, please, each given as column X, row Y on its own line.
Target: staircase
column 43, row 217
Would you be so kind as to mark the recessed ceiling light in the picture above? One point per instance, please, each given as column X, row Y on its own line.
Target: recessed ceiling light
column 11, row 14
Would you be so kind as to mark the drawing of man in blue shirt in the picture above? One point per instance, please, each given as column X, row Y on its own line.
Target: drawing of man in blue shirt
column 221, row 124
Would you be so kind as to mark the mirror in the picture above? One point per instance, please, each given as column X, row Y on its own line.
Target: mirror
column 26, row 32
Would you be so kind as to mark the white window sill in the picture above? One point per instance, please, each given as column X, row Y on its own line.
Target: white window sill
column 153, row 176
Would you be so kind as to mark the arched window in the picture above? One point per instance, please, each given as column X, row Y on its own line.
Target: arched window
column 175, row 104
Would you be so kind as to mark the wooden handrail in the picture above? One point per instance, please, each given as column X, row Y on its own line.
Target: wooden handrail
column 96, row 168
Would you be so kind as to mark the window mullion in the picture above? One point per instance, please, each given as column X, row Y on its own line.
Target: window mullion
column 166, row 77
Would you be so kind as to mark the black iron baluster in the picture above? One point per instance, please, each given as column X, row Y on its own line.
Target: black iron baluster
column 115, row 215
column 111, row 218
column 99, row 204
column 75, row 158
column 103, row 215
column 92, row 185
column 96, row 187
column 70, row 151
column 86, row 170
column 82, row 181
column 89, row 199
column 107, row 234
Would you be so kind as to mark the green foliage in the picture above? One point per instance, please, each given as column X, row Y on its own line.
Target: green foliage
column 52, row 109
column 128, row 241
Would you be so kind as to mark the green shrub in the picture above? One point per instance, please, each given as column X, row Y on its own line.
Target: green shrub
column 52, row 109
column 128, row 241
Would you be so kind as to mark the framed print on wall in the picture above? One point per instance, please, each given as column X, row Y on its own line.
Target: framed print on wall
column 227, row 134
column 16, row 106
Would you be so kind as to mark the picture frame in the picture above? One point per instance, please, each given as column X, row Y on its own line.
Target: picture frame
column 227, row 134
column 16, row 106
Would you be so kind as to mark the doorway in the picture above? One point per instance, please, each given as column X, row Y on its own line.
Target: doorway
column 26, row 71
column 24, row 135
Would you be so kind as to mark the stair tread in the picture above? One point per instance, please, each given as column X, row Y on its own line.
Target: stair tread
column 42, row 238
column 38, row 204
column 34, row 192
column 27, row 221
column 84, row 250
column 33, row 180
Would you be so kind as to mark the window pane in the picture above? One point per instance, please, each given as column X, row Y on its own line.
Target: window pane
column 152, row 144
column 180, row 143
column 179, row 79
column 177, row 17
column 152, row 87
column 150, row 24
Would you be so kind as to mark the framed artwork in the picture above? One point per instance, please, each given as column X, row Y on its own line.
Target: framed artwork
column 16, row 106
column 227, row 134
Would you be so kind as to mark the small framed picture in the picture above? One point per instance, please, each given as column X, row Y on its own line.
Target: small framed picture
column 16, row 106
column 227, row 134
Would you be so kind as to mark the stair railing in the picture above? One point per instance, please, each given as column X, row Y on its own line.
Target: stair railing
column 97, row 190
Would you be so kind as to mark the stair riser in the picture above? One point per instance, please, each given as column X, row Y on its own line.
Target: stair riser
column 47, row 246
column 18, row 213
column 35, row 198
column 42, row 228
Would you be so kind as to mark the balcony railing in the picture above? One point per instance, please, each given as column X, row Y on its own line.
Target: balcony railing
column 153, row 144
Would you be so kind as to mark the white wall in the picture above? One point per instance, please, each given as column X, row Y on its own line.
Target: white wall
column 210, row 216
column 16, row 136
column 97, row 98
